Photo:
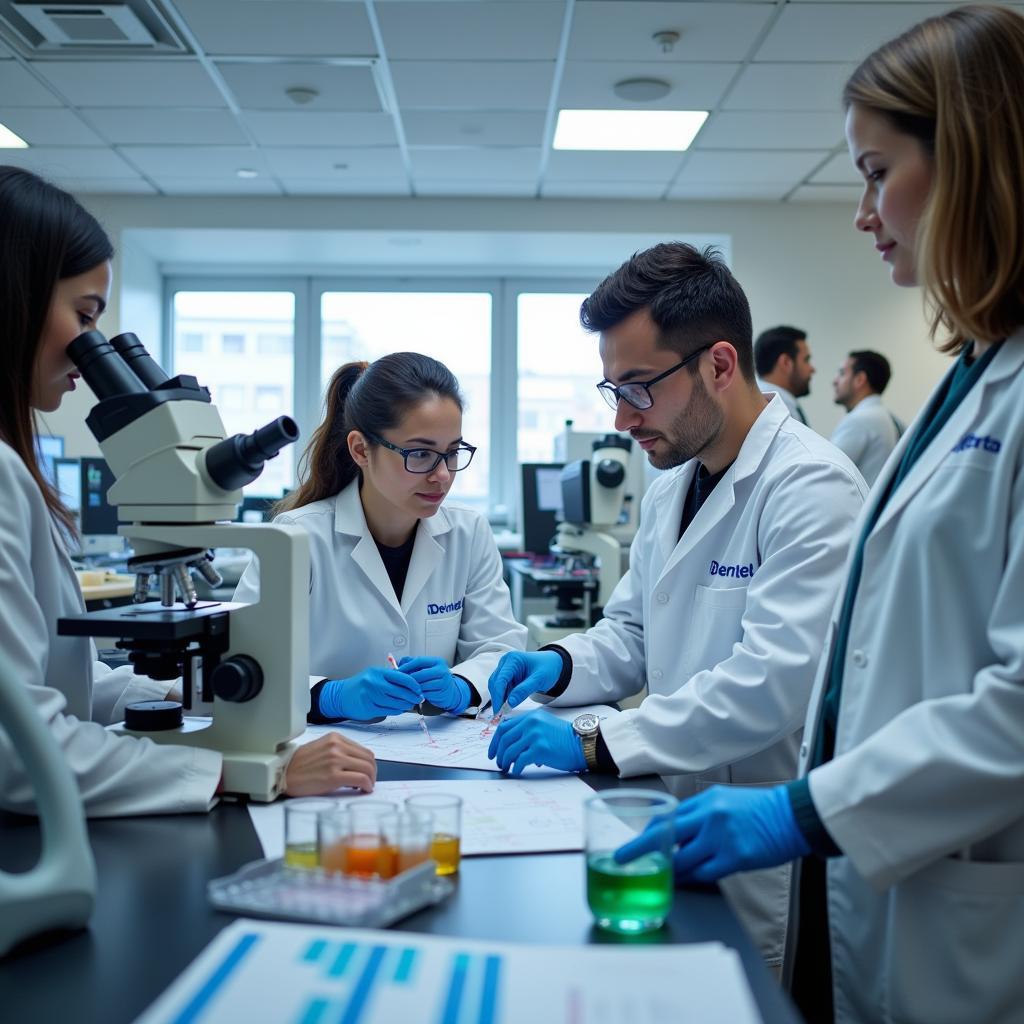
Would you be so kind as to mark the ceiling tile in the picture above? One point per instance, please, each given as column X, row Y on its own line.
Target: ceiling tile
column 262, row 86
column 471, row 31
column 294, row 163
column 771, row 130
column 288, row 128
column 474, row 127
column 132, row 83
column 111, row 186
column 624, row 30
column 749, row 167
column 217, row 186
column 467, row 165
column 137, row 126
column 839, row 171
column 44, row 126
column 472, row 85
column 848, row 194
column 469, row 187
column 816, row 31
column 162, row 162
column 602, row 190
column 727, row 190
column 605, row 166
column 790, row 87
column 346, row 187
column 78, row 164
column 280, row 27
column 18, row 88
column 588, row 85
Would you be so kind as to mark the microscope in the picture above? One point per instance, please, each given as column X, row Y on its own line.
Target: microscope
column 177, row 477
column 593, row 493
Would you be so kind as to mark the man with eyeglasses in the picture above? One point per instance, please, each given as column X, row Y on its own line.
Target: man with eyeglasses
column 733, row 572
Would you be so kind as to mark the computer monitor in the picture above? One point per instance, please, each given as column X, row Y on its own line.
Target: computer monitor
column 98, row 518
column 67, row 479
column 50, row 447
column 541, row 511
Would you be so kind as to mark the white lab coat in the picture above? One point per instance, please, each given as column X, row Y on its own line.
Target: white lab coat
column 455, row 604
column 867, row 433
column 925, row 795
column 726, row 626
column 117, row 775
column 788, row 399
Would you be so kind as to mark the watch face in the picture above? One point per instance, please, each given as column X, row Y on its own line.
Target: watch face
column 586, row 724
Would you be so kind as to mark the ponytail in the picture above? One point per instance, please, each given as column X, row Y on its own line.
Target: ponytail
column 370, row 398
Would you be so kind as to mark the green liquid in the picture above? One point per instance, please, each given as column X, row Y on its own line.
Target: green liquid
column 633, row 897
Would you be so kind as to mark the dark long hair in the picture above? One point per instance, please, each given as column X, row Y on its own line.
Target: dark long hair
column 369, row 397
column 45, row 237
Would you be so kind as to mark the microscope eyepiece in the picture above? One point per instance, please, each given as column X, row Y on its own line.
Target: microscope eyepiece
column 238, row 460
column 103, row 368
column 134, row 353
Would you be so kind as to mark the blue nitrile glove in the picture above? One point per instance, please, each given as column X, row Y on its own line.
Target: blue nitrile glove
column 519, row 675
column 536, row 738
column 370, row 694
column 437, row 684
column 726, row 829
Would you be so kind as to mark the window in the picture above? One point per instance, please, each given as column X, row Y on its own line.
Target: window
column 192, row 341
column 453, row 327
column 274, row 344
column 249, row 392
column 559, row 367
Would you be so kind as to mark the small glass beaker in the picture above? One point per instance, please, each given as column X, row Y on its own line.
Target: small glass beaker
column 407, row 836
column 366, row 856
column 300, row 831
column 446, row 842
column 334, row 827
column 634, row 897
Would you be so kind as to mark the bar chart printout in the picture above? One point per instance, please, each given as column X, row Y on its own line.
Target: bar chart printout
column 294, row 974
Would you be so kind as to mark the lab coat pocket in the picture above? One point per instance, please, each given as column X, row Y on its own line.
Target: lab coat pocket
column 441, row 636
column 716, row 624
column 954, row 951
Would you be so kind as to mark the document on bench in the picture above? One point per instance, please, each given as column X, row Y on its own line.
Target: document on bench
column 266, row 971
column 498, row 815
column 452, row 743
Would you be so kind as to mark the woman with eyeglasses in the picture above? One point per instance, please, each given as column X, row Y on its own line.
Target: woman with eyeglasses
column 394, row 573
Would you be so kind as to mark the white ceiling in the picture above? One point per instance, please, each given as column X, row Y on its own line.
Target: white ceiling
column 448, row 97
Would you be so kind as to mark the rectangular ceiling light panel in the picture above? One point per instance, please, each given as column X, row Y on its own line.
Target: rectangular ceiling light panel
column 642, row 130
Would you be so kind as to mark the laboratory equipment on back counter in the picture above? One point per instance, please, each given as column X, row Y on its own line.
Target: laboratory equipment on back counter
column 593, row 496
column 177, row 479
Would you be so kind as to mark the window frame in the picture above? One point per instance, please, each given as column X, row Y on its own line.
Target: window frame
column 308, row 291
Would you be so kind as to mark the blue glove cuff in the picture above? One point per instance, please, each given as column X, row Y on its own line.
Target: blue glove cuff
column 789, row 832
column 331, row 702
column 465, row 696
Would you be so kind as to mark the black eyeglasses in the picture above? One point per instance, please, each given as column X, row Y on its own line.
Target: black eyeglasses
column 426, row 460
column 638, row 392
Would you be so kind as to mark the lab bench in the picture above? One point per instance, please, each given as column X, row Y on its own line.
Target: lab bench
column 152, row 917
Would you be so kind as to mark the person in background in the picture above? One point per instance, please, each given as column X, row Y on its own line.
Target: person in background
column 782, row 359
column 869, row 431
column 732, row 575
column 395, row 569
column 54, row 284
column 908, row 814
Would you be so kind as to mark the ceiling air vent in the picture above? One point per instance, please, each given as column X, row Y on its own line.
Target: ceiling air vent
column 60, row 26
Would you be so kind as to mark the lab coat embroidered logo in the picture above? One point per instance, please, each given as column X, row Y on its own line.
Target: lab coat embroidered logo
column 445, row 609
column 738, row 571
column 988, row 444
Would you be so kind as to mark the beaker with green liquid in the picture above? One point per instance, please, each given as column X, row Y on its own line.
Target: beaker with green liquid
column 634, row 897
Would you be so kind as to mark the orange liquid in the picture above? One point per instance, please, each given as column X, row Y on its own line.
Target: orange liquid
column 362, row 856
column 332, row 858
column 410, row 858
column 388, row 860
column 445, row 849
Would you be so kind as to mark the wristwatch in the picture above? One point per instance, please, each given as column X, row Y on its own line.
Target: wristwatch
column 587, row 727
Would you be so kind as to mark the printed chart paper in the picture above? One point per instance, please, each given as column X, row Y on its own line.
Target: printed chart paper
column 499, row 816
column 297, row 974
column 453, row 742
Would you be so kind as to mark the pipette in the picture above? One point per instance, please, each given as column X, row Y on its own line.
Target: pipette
column 419, row 707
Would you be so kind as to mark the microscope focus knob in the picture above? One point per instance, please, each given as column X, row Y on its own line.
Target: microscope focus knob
column 237, row 679
column 610, row 473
